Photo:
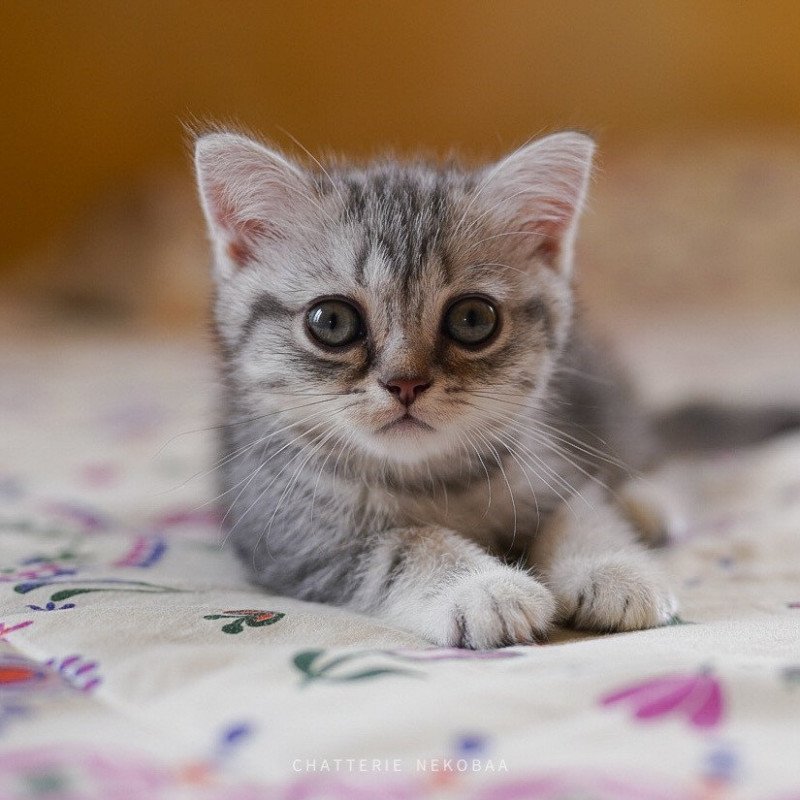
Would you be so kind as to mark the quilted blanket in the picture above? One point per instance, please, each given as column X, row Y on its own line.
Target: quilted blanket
column 136, row 661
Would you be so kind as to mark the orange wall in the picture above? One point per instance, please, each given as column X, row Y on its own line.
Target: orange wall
column 94, row 91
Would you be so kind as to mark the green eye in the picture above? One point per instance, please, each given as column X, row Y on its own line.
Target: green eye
column 334, row 323
column 470, row 321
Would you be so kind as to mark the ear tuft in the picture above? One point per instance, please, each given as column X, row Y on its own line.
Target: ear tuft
column 541, row 189
column 249, row 194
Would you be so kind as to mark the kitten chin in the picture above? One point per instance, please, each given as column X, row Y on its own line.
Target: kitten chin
column 405, row 330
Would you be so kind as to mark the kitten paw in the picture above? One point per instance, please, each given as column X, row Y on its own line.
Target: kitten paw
column 494, row 608
column 616, row 595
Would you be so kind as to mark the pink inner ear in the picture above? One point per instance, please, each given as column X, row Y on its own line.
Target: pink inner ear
column 242, row 245
column 551, row 229
column 243, row 233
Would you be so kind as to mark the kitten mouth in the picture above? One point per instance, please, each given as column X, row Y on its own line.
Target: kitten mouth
column 406, row 422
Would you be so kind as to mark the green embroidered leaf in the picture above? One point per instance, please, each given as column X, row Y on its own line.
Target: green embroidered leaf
column 307, row 662
column 235, row 626
column 213, row 616
column 373, row 673
column 254, row 622
column 65, row 594
column 304, row 661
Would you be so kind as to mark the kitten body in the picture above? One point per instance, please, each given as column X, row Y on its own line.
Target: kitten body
column 414, row 424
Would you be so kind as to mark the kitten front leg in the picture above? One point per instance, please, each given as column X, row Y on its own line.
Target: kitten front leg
column 449, row 590
column 603, row 580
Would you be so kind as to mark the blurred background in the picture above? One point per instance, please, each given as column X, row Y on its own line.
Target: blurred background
column 695, row 209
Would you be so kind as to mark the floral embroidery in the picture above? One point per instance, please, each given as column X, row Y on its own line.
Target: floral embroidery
column 145, row 552
column 106, row 585
column 51, row 606
column 697, row 698
column 720, row 768
column 77, row 671
column 248, row 616
column 308, row 663
column 4, row 629
column 44, row 571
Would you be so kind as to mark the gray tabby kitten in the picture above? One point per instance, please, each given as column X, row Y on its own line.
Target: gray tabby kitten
column 414, row 426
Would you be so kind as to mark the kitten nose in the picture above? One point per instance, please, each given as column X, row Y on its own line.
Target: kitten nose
column 406, row 390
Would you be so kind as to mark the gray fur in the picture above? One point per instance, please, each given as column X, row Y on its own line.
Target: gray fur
column 443, row 532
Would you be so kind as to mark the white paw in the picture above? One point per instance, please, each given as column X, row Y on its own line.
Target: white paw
column 614, row 595
column 492, row 608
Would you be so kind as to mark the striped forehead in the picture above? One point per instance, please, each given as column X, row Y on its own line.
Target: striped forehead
column 400, row 221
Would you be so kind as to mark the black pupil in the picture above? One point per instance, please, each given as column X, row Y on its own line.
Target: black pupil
column 334, row 323
column 471, row 321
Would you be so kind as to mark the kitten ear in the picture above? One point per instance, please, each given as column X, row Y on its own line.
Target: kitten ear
column 540, row 189
column 249, row 194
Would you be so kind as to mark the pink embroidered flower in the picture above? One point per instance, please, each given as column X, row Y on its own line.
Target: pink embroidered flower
column 5, row 629
column 697, row 698
column 40, row 571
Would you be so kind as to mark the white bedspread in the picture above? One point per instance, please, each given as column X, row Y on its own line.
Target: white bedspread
column 135, row 661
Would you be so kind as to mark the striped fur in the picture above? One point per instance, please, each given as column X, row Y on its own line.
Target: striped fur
column 471, row 529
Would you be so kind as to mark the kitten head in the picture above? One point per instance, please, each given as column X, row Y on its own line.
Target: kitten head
column 405, row 311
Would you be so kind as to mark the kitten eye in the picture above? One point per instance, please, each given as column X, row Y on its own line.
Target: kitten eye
column 470, row 321
column 334, row 323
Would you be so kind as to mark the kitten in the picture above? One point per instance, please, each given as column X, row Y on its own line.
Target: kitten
column 415, row 427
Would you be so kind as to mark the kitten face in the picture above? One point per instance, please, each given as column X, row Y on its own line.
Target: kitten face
column 399, row 311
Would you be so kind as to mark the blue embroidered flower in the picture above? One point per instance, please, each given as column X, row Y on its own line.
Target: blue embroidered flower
column 51, row 606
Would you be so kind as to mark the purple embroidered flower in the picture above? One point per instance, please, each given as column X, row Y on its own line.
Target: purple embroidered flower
column 77, row 671
column 51, row 606
column 697, row 698
column 230, row 739
column 144, row 552
column 470, row 744
column 721, row 765
column 43, row 571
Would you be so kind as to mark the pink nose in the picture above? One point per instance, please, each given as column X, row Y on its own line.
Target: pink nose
column 406, row 390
